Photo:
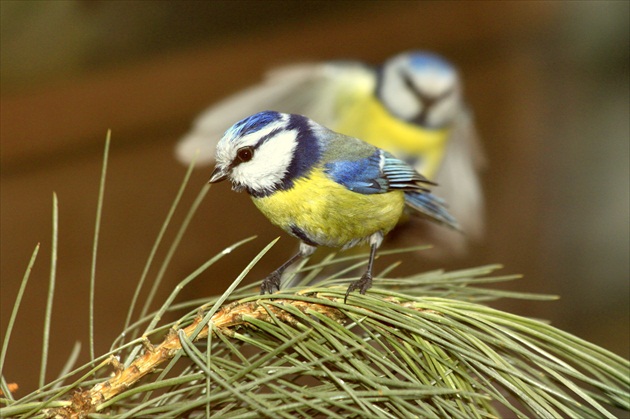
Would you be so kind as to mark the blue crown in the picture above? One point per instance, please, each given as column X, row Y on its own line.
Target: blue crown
column 423, row 60
column 252, row 124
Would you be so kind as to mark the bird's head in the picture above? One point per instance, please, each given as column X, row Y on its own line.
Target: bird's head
column 420, row 87
column 266, row 152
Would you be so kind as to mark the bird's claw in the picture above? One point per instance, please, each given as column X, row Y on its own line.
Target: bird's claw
column 363, row 284
column 270, row 283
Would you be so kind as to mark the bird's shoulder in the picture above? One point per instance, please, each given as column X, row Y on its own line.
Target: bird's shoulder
column 366, row 169
column 339, row 147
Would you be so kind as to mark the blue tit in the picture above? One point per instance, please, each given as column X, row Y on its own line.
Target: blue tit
column 411, row 106
column 322, row 187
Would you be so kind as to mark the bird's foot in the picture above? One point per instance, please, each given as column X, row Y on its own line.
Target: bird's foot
column 363, row 284
column 271, row 282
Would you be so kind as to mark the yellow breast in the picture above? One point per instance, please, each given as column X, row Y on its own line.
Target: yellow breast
column 329, row 214
column 366, row 118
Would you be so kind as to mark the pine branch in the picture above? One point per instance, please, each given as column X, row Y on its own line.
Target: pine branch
column 230, row 317
column 306, row 353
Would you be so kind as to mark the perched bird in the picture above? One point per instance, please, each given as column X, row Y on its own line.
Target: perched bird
column 322, row 187
column 411, row 106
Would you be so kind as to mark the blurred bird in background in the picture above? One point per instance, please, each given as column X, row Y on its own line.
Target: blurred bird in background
column 411, row 106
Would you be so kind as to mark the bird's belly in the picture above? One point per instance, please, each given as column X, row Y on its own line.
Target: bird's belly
column 328, row 214
column 368, row 120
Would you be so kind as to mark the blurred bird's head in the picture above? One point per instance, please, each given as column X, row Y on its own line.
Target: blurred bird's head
column 420, row 87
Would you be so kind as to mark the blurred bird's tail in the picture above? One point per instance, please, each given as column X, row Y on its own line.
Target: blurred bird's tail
column 431, row 207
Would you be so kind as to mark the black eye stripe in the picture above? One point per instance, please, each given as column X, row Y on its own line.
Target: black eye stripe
column 262, row 140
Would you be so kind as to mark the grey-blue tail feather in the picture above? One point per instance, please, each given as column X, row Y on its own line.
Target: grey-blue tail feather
column 431, row 207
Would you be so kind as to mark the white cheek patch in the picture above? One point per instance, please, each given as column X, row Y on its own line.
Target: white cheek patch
column 398, row 97
column 435, row 82
column 224, row 153
column 445, row 110
column 270, row 162
column 394, row 92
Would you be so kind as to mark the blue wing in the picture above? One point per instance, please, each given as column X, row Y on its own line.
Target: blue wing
column 379, row 173
column 431, row 207
column 382, row 172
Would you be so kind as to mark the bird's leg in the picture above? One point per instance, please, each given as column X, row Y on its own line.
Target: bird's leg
column 365, row 282
column 272, row 281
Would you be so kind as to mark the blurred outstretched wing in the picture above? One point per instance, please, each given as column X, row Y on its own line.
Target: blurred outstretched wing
column 458, row 178
column 306, row 89
column 459, row 185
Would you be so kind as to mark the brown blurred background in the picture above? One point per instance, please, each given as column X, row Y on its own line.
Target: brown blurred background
column 548, row 82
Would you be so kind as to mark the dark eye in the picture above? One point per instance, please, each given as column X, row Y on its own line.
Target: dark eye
column 245, row 154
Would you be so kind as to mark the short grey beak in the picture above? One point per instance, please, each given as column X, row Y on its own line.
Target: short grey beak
column 218, row 175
